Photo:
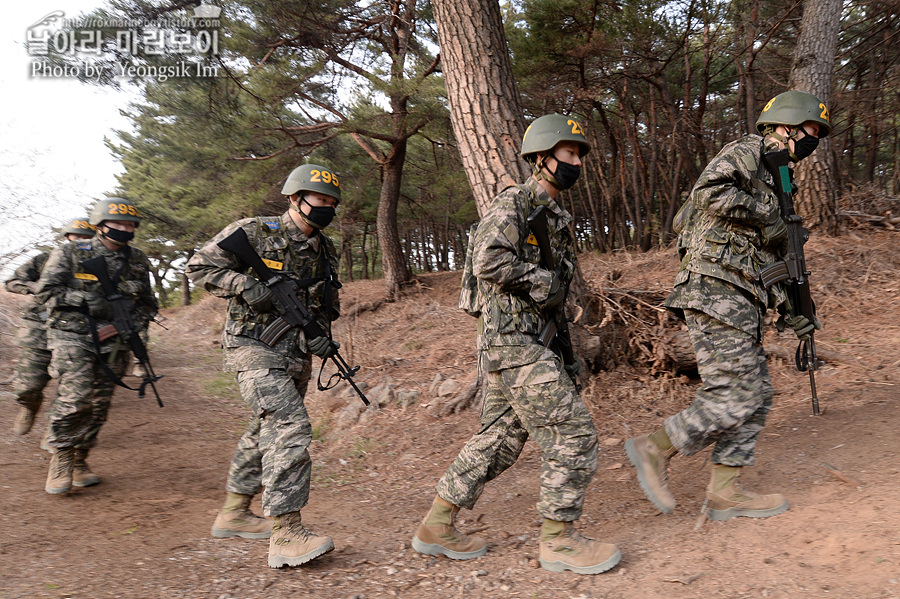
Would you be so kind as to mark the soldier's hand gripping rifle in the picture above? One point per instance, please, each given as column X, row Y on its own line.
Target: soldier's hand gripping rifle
column 557, row 328
column 293, row 312
column 124, row 327
column 792, row 269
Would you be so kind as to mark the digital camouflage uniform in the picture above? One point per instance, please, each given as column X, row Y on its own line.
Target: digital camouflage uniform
column 34, row 357
column 272, row 453
column 730, row 228
column 521, row 373
column 71, row 294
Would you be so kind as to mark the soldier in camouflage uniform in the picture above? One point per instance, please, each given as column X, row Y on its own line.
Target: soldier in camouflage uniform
column 272, row 455
column 731, row 228
column 529, row 391
column 78, row 309
column 34, row 357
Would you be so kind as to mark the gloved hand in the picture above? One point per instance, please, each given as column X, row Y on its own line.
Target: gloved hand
column 98, row 307
column 258, row 297
column 556, row 296
column 573, row 369
column 802, row 326
column 130, row 288
column 322, row 346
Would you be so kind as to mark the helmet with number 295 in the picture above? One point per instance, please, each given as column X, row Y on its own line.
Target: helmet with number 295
column 115, row 209
column 313, row 177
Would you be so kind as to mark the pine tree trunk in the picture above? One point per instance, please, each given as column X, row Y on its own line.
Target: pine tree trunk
column 812, row 71
column 484, row 100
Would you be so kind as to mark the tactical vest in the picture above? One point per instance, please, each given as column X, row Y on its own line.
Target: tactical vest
column 316, row 279
column 510, row 317
column 724, row 248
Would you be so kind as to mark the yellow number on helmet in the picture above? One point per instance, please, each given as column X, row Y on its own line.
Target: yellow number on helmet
column 326, row 177
column 316, row 176
column 769, row 105
column 576, row 128
column 824, row 114
column 113, row 208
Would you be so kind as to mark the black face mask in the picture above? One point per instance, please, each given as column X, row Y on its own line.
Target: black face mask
column 118, row 236
column 566, row 175
column 319, row 217
column 806, row 146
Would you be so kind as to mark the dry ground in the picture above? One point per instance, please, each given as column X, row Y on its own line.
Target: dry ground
column 144, row 532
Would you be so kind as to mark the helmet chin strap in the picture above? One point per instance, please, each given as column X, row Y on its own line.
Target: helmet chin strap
column 538, row 173
column 784, row 140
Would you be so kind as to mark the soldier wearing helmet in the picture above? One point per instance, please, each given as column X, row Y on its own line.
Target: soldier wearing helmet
column 530, row 393
column 730, row 228
column 78, row 311
column 34, row 358
column 272, row 455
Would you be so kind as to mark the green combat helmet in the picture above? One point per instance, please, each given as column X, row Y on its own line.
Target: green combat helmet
column 312, row 177
column 547, row 131
column 794, row 108
column 79, row 226
column 114, row 209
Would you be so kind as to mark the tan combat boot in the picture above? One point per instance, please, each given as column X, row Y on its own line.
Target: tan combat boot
column 564, row 548
column 291, row 544
column 726, row 500
column 81, row 474
column 24, row 421
column 59, row 478
column 236, row 520
column 652, row 462
column 437, row 534
column 138, row 371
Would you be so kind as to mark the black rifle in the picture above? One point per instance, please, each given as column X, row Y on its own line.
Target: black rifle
column 124, row 327
column 792, row 269
column 293, row 312
column 557, row 328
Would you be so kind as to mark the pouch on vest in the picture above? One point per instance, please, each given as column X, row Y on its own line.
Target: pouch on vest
column 469, row 301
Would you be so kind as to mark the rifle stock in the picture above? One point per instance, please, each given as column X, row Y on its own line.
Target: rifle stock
column 792, row 269
column 124, row 326
column 557, row 327
column 294, row 312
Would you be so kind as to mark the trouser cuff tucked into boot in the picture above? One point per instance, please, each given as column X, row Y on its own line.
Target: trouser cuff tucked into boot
column 437, row 534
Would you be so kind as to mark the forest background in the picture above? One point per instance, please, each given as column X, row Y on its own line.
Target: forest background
column 359, row 86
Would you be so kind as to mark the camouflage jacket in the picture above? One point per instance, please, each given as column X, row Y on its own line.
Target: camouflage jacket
column 511, row 282
column 288, row 251
column 728, row 230
column 70, row 293
column 25, row 281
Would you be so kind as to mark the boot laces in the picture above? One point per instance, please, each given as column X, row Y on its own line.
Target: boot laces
column 64, row 461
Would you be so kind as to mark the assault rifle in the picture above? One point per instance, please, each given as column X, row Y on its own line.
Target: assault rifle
column 557, row 328
column 123, row 326
column 792, row 269
column 293, row 312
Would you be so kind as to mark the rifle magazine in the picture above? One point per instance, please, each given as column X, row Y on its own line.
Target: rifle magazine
column 275, row 331
column 774, row 273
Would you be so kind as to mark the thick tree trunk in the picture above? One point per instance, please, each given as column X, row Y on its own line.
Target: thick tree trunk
column 393, row 263
column 484, row 100
column 186, row 284
column 812, row 71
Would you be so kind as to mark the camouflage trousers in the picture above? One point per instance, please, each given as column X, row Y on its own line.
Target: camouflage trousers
column 731, row 405
column 273, row 452
column 83, row 395
column 31, row 371
column 542, row 403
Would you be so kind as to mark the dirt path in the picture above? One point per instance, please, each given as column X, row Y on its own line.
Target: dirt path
column 144, row 532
